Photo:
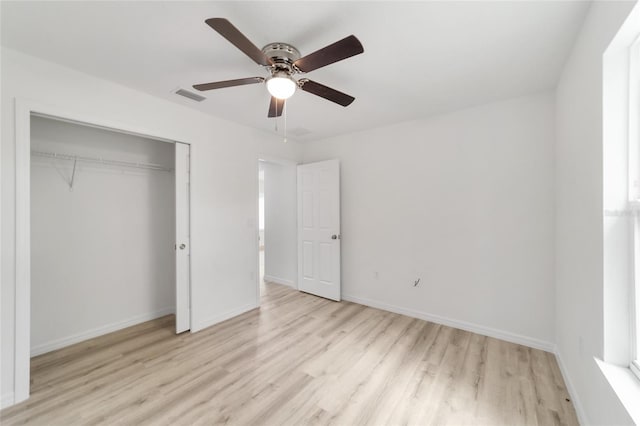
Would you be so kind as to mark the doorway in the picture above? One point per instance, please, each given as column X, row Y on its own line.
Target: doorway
column 261, row 226
column 277, row 230
column 26, row 112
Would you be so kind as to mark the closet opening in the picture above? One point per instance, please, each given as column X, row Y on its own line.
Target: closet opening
column 109, row 232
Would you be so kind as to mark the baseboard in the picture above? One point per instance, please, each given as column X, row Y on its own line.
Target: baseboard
column 278, row 280
column 582, row 417
column 6, row 400
column 222, row 317
column 474, row 328
column 98, row 331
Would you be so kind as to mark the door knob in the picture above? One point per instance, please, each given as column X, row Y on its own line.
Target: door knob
column 335, row 237
column 182, row 246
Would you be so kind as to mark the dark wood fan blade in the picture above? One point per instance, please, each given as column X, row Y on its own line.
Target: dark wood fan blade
column 326, row 92
column 275, row 107
column 343, row 49
column 228, row 83
column 235, row 37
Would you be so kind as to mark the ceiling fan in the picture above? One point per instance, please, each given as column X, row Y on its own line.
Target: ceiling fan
column 283, row 61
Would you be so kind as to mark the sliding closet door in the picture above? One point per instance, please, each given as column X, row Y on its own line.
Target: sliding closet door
column 183, row 243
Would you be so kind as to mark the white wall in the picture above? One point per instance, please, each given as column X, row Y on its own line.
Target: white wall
column 102, row 254
column 224, row 191
column 579, row 217
column 280, row 248
column 462, row 201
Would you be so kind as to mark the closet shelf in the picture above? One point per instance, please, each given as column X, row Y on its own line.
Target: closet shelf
column 137, row 165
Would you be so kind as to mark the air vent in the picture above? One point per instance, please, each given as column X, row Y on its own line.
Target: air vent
column 190, row 95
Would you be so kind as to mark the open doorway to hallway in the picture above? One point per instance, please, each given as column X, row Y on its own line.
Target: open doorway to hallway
column 277, row 213
column 261, row 224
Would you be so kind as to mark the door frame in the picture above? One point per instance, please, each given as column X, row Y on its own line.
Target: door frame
column 24, row 109
column 281, row 162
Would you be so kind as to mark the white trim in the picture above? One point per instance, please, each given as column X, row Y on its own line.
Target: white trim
column 192, row 150
column 99, row 331
column 633, row 129
column 95, row 125
column 22, row 374
column 625, row 385
column 6, row 400
column 276, row 160
column 634, row 177
column 633, row 109
column 573, row 394
column 222, row 317
column 634, row 298
column 257, row 241
column 23, row 110
column 279, row 280
column 635, row 368
column 77, row 117
column 463, row 325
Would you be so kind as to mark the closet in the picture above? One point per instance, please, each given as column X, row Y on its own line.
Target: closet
column 103, row 230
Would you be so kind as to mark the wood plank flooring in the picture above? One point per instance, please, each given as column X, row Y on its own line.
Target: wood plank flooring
column 297, row 360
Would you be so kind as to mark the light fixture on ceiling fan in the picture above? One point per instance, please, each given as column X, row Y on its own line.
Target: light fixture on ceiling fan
column 281, row 85
column 283, row 61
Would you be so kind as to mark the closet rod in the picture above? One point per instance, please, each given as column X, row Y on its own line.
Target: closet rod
column 146, row 166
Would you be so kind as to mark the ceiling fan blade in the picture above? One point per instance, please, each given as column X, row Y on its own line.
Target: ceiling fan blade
column 343, row 49
column 228, row 83
column 275, row 107
column 325, row 92
column 231, row 33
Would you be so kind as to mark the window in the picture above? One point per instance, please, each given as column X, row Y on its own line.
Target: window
column 634, row 195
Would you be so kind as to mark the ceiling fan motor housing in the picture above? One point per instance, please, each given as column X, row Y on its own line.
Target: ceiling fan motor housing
column 283, row 56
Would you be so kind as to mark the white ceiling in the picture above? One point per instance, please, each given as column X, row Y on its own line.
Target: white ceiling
column 421, row 58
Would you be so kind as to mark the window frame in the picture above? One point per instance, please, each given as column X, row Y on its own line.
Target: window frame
column 634, row 199
column 634, row 365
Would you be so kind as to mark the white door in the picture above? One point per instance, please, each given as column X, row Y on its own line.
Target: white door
column 319, row 229
column 183, row 243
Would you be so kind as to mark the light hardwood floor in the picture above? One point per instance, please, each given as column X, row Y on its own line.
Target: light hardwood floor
column 297, row 360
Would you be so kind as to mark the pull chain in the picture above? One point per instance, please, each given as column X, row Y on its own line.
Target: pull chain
column 284, row 112
column 276, row 120
column 285, row 121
